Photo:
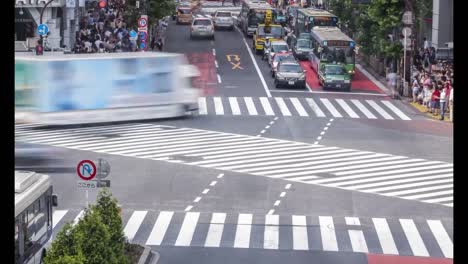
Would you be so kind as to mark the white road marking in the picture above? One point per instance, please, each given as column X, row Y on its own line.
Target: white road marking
column 277, row 202
column 397, row 111
column 213, row 183
column 443, row 239
column 219, row 78
column 250, row 106
column 234, row 106
column 299, row 108
column 271, row 238
column 330, row 107
column 283, row 107
column 266, row 106
column 346, row 107
column 244, row 226
column 197, row 199
column 358, row 241
column 282, row 194
column 78, row 217
column 134, row 223
column 216, row 63
column 188, row 229
column 300, row 238
column 159, row 229
column 363, row 109
column 202, row 106
column 215, row 231
column 414, row 238
column 385, row 236
column 206, row 191
column 57, row 216
column 188, row 208
column 327, row 230
column 265, row 86
column 218, row 106
column 379, row 109
column 272, row 211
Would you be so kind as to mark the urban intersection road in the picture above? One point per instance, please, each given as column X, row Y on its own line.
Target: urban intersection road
column 267, row 175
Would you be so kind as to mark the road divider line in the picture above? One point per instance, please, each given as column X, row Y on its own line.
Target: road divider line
column 256, row 66
column 57, row 216
column 219, row 78
column 216, row 63
column 214, row 52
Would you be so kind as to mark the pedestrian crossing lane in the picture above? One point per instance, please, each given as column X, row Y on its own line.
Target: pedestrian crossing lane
column 415, row 236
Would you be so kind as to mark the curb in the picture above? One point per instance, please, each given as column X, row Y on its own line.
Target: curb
column 422, row 109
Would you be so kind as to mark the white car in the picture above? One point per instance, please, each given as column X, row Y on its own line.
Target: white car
column 202, row 27
column 223, row 19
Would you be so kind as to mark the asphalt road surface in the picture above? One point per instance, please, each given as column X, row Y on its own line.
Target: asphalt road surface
column 266, row 175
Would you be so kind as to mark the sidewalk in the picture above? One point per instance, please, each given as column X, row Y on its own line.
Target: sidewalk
column 422, row 109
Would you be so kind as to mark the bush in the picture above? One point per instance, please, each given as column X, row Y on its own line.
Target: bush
column 97, row 238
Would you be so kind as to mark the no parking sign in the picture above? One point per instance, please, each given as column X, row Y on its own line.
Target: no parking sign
column 143, row 31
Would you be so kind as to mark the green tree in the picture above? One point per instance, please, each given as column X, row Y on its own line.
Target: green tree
column 66, row 259
column 64, row 245
column 109, row 211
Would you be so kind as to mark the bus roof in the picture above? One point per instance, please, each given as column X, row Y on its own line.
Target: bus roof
column 255, row 4
column 57, row 56
column 28, row 187
column 328, row 33
column 315, row 12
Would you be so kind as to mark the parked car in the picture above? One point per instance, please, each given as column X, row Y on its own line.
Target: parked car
column 290, row 74
column 280, row 57
column 202, row 27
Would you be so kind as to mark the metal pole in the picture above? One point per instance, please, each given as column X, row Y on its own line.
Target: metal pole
column 40, row 21
column 86, row 198
column 404, row 60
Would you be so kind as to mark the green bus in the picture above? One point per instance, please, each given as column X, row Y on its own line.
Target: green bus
column 331, row 46
column 308, row 18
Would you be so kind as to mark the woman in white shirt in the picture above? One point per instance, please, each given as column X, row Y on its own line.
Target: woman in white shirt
column 442, row 102
column 451, row 105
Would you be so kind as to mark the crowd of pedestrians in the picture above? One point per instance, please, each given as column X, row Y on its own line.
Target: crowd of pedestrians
column 432, row 83
column 104, row 30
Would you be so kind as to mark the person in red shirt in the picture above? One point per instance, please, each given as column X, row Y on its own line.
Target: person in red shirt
column 435, row 101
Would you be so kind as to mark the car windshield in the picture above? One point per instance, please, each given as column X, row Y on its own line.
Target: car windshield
column 279, row 47
column 304, row 43
column 202, row 22
column 184, row 10
column 295, row 68
column 334, row 70
column 275, row 32
column 223, row 14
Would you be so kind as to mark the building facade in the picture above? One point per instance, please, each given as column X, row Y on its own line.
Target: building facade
column 59, row 15
column 442, row 23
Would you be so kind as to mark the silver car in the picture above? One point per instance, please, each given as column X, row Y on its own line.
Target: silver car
column 290, row 73
column 223, row 19
column 272, row 47
column 202, row 27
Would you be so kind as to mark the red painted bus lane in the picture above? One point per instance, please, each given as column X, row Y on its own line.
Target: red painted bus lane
column 360, row 82
column 207, row 81
column 386, row 259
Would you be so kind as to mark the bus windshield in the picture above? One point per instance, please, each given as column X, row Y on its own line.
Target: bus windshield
column 338, row 54
column 258, row 16
column 275, row 32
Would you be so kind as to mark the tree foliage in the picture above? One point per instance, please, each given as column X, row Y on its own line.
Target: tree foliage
column 97, row 238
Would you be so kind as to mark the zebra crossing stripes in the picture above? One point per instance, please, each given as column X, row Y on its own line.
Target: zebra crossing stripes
column 302, row 107
column 286, row 232
column 350, row 169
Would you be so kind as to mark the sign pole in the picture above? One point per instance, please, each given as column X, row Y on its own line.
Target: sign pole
column 86, row 198
column 404, row 59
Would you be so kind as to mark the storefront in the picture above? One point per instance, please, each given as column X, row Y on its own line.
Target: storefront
column 59, row 15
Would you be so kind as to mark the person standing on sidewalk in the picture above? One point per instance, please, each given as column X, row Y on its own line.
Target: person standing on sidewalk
column 435, row 101
column 451, row 105
column 415, row 89
column 442, row 100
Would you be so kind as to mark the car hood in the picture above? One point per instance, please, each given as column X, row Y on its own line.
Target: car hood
column 304, row 49
column 337, row 77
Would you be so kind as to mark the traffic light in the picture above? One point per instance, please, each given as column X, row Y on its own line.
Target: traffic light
column 102, row 4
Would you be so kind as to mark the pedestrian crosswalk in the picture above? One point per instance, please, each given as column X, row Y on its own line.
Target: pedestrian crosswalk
column 302, row 107
column 407, row 237
column 364, row 171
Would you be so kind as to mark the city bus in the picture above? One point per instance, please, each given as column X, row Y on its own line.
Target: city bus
column 61, row 90
column 252, row 14
column 33, row 216
column 330, row 45
column 308, row 18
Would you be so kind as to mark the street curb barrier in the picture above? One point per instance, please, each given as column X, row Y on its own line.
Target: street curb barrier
column 148, row 256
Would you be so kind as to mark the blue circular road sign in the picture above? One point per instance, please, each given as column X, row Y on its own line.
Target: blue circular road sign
column 142, row 45
column 42, row 29
column 133, row 33
column 143, row 35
